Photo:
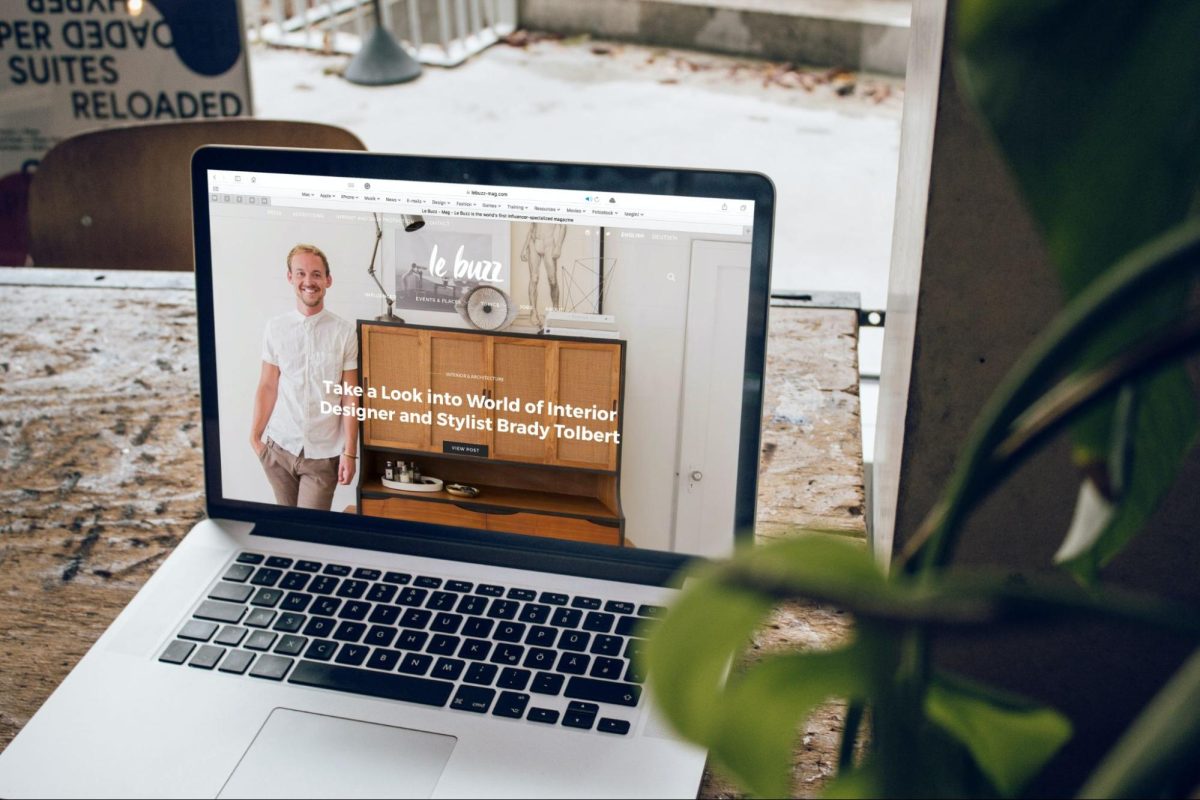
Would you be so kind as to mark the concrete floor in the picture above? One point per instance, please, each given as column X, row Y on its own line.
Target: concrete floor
column 832, row 157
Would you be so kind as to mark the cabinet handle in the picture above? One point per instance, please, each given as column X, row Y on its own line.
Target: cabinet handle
column 614, row 406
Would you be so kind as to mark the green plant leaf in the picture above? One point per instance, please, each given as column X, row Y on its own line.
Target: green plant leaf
column 1156, row 756
column 689, row 652
column 1107, row 155
column 759, row 712
column 1010, row 738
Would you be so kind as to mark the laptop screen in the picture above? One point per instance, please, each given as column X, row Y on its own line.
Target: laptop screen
column 560, row 364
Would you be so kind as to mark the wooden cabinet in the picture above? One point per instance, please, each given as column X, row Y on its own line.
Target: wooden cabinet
column 533, row 421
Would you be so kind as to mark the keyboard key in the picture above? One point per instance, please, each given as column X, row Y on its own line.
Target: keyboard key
column 267, row 598
column 552, row 599
column 382, row 593
column 375, row 684
column 443, row 644
column 216, row 611
column 446, row 623
column 261, row 640
column 427, row 582
column 546, row 715
column 295, row 601
column 511, row 704
column 579, row 719
column 634, row 649
column 540, row 658
column 535, row 614
column 627, row 625
column 513, row 678
column 479, row 627
column 206, row 657
column 323, row 584
column 473, row 698
column 634, row 674
column 617, row 607
column 648, row 610
column 230, row 636
column 607, row 645
column 198, row 631
column 608, row 668
column 547, row 683
column 321, row 649
column 481, row 674
column 353, row 589
column 234, row 593
column 340, row 570
column 566, row 618
column 503, row 609
column 349, row 631
column 598, row 622
column 472, row 604
column 236, row 662
column 475, row 649
column 442, row 601
column 573, row 663
column 412, row 640
column 448, row 668
column 586, row 602
column 509, row 632
column 489, row 590
column 177, row 652
column 541, row 636
column 384, row 659
column 364, row 574
column 617, row 726
column 308, row 566
column 458, row 586
column 507, row 654
column 266, row 576
column 290, row 645
column 238, row 572
column 259, row 618
column 621, row 694
column 416, row 618
column 397, row 578
column 412, row 597
column 289, row 622
column 416, row 663
column 574, row 640
column 354, row 610
column 273, row 668
column 295, row 581
column 384, row 615
column 320, row 627
column 522, row 594
column 352, row 654
column 250, row 558
column 380, row 636
column 279, row 561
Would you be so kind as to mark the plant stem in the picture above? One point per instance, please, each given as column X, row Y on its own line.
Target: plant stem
column 854, row 715
column 1169, row 257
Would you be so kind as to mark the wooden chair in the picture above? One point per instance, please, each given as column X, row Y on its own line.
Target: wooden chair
column 120, row 198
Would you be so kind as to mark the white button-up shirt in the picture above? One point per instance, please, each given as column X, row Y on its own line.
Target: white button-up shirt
column 308, row 352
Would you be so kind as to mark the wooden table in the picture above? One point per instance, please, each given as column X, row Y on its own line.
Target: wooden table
column 100, row 453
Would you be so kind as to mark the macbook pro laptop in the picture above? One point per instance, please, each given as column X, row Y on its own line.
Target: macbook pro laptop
column 464, row 423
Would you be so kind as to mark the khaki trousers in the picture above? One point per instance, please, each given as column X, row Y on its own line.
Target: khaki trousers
column 297, row 481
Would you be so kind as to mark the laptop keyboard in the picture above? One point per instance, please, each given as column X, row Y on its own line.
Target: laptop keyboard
column 481, row 648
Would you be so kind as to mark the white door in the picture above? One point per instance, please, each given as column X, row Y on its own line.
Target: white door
column 710, row 415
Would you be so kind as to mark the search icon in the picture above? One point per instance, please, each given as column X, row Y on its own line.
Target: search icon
column 671, row 277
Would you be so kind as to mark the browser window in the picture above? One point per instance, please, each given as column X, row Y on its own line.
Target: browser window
column 539, row 362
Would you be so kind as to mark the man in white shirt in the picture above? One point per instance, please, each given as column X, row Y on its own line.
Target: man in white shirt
column 306, row 352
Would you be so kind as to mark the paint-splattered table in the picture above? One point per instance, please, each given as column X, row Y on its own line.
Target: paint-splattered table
column 101, row 462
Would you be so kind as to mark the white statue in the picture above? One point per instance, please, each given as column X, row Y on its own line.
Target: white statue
column 543, row 245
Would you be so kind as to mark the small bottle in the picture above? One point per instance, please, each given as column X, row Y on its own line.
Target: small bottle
column 416, row 473
column 388, row 472
column 405, row 474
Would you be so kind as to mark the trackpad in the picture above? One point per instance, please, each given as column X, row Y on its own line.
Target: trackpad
column 297, row 754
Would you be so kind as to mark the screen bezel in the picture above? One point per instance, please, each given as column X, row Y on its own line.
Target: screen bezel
column 464, row 544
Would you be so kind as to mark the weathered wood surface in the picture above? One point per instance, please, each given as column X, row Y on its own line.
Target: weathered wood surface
column 101, row 463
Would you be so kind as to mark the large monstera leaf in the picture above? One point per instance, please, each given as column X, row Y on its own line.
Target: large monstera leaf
column 1096, row 109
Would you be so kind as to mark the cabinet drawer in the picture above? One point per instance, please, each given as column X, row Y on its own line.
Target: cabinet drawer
column 423, row 511
column 579, row 530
